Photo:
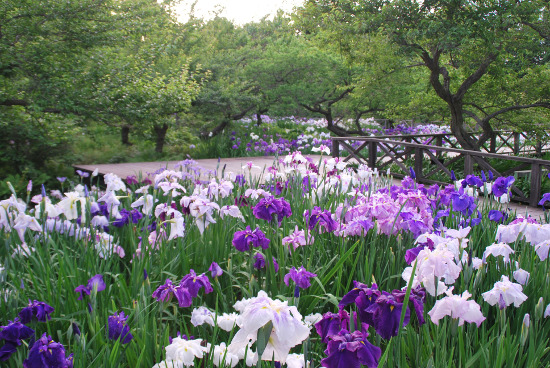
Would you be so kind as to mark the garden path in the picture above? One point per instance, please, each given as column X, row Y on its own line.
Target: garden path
column 235, row 165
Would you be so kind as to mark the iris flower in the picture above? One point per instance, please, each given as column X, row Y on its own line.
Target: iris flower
column 351, row 350
column 118, row 328
column 457, row 306
column 95, row 283
column 242, row 240
column 46, row 353
column 37, row 309
column 288, row 328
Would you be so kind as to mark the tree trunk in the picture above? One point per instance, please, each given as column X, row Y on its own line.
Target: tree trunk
column 258, row 119
column 217, row 130
column 124, row 135
column 457, row 126
column 160, row 131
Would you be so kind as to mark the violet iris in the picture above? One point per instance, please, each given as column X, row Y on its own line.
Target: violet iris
column 242, row 240
column 331, row 324
column 194, row 283
column 320, row 219
column 37, row 309
column 215, row 269
column 165, row 292
column 119, row 329
column 501, row 185
column 300, row 277
column 12, row 334
column 269, row 207
column 95, row 283
column 47, row 353
column 260, row 262
column 351, row 350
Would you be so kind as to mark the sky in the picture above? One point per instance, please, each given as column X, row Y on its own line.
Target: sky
column 239, row 11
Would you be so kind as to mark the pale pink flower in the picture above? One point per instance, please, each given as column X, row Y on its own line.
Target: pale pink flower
column 232, row 211
column 24, row 222
column 521, row 276
column 536, row 233
column 288, row 328
column 457, row 306
column 202, row 210
column 505, row 293
column 298, row 238
column 542, row 249
column 498, row 250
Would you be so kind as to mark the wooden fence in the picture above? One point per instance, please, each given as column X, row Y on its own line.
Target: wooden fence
column 503, row 142
column 432, row 161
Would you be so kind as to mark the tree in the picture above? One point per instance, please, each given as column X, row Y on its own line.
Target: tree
column 119, row 62
column 458, row 42
column 228, row 94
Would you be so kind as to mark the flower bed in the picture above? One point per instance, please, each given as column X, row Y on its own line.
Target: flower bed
column 312, row 261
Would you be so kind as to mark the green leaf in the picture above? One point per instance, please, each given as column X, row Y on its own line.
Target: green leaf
column 262, row 339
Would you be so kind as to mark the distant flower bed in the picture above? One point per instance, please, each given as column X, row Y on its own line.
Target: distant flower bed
column 280, row 136
column 311, row 263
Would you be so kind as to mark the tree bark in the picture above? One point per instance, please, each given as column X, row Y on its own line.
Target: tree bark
column 160, row 131
column 259, row 116
column 124, row 135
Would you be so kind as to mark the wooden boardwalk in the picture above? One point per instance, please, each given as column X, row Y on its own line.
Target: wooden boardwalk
column 235, row 165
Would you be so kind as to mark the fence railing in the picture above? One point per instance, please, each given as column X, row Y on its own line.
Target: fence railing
column 503, row 142
column 431, row 162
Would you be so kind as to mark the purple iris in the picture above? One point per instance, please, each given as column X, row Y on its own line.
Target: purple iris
column 501, row 185
column 411, row 254
column 331, row 324
column 271, row 206
column 240, row 180
column 412, row 174
column 47, row 353
column 417, row 297
column 126, row 216
column 37, row 309
column 386, row 314
column 300, row 277
column 321, row 219
column 260, row 262
column 119, row 329
column 473, row 181
column 95, row 282
column 242, row 240
column 194, row 283
column 12, row 334
column 82, row 174
column 463, row 203
column 215, row 269
column 165, row 292
column 545, row 198
column 131, row 180
column 495, row 215
column 363, row 296
column 351, row 350
column 453, row 177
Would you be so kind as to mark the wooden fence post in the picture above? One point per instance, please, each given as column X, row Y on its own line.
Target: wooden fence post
column 468, row 165
column 493, row 148
column 516, row 143
column 418, row 156
column 335, row 148
column 372, row 155
column 534, row 195
column 439, row 143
